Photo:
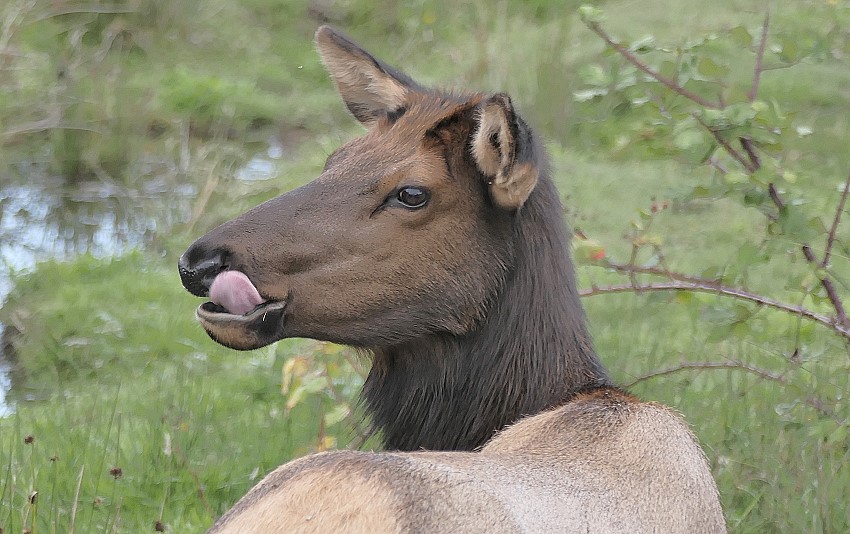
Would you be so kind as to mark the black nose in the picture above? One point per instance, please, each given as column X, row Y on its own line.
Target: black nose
column 199, row 266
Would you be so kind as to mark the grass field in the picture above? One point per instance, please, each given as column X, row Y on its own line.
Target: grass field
column 128, row 416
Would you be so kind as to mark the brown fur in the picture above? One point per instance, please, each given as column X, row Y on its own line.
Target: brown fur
column 469, row 309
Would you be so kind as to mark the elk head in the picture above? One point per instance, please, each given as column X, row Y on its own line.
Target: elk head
column 407, row 232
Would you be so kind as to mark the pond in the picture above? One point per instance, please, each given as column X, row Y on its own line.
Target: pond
column 44, row 217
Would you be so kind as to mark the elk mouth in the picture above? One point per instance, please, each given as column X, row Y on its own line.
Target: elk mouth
column 237, row 316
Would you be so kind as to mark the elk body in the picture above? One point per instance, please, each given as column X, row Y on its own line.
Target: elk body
column 436, row 243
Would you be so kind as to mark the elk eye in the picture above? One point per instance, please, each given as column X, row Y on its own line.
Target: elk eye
column 412, row 197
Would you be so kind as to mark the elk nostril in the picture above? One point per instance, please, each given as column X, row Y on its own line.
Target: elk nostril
column 198, row 269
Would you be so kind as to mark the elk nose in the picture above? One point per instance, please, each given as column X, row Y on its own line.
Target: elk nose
column 199, row 267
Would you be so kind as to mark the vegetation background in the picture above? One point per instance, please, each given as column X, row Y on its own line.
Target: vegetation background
column 127, row 128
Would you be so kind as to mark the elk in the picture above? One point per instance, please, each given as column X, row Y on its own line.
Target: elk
column 436, row 243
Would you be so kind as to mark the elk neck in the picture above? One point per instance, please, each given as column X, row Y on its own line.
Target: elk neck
column 531, row 351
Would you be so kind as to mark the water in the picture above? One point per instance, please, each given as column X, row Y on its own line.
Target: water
column 42, row 217
column 5, row 383
column 262, row 166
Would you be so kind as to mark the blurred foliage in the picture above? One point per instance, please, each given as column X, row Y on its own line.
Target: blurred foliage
column 92, row 85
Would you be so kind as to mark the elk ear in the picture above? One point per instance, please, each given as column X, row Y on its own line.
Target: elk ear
column 502, row 147
column 369, row 88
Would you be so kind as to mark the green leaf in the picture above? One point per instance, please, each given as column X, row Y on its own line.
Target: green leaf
column 719, row 332
column 750, row 254
column 684, row 297
column 740, row 114
column 763, row 136
column 762, row 177
column 643, row 45
column 760, row 106
column 837, row 436
column 718, row 314
column 667, row 69
column 743, row 312
column 688, row 134
column 755, row 197
column 789, row 52
column 714, row 117
column 700, row 192
column 588, row 94
column 708, row 68
column 594, row 75
column 741, row 36
column 591, row 14
column 795, row 224
column 736, row 177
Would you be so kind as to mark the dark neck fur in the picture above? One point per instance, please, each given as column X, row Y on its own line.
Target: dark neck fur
column 531, row 352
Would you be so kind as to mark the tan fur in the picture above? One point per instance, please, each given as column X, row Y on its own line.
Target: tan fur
column 492, row 122
column 351, row 500
column 356, row 77
column 511, row 183
column 599, row 464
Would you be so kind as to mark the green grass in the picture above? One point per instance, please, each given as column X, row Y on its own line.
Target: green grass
column 118, row 373
column 123, row 377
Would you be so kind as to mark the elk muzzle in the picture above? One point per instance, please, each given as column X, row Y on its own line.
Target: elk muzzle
column 236, row 315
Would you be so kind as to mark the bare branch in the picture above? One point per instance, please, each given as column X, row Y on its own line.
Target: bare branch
column 707, row 286
column 830, row 240
column 666, row 273
column 692, row 283
column 775, row 196
column 750, row 149
column 815, row 402
column 779, row 202
column 730, row 364
column 634, row 60
column 828, row 286
column 759, row 58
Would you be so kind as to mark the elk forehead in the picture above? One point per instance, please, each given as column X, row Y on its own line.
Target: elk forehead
column 403, row 148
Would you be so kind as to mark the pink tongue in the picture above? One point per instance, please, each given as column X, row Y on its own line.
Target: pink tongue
column 233, row 291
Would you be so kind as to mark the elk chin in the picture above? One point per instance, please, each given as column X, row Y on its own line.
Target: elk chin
column 260, row 327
